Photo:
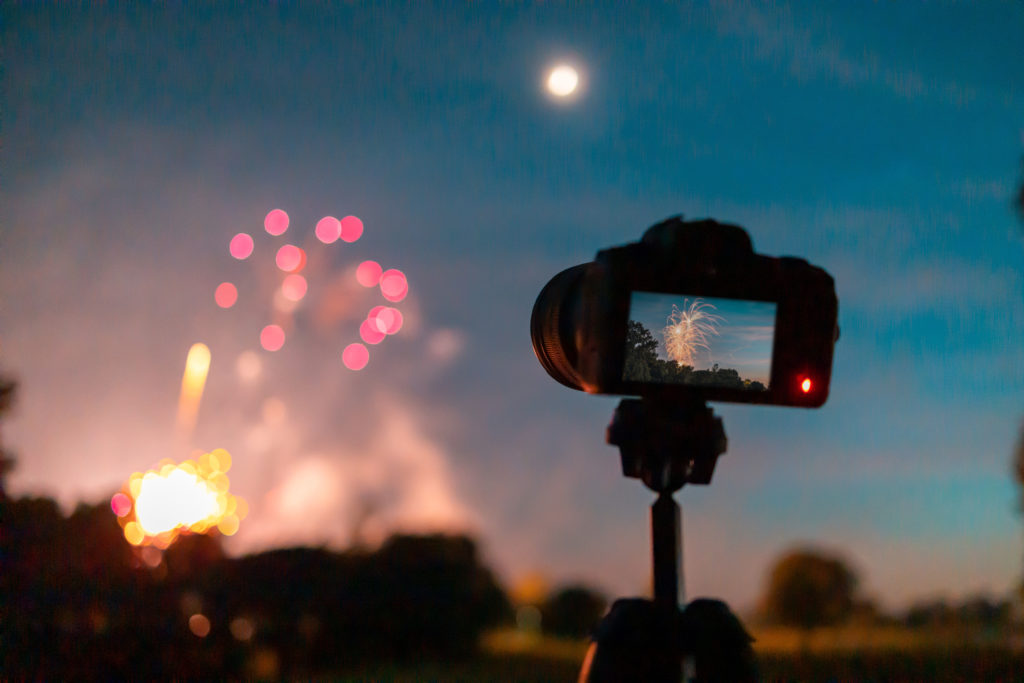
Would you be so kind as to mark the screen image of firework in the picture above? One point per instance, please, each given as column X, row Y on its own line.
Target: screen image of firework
column 700, row 341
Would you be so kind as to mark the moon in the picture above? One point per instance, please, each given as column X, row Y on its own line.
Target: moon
column 562, row 80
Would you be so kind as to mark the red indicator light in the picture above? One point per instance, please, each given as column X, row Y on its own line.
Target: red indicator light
column 805, row 386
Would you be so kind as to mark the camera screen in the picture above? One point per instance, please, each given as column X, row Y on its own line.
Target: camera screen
column 701, row 341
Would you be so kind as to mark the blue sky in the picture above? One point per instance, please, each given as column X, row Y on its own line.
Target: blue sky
column 881, row 142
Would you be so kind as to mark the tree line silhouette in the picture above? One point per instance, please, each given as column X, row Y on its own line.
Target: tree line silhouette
column 643, row 365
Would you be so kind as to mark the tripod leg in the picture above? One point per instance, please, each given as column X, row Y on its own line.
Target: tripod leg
column 666, row 542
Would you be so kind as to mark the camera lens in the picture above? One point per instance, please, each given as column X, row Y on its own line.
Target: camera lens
column 553, row 325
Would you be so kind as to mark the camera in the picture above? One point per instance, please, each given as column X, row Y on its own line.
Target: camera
column 690, row 313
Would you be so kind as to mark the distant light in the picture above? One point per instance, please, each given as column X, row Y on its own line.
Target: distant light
column 276, row 222
column 199, row 625
column 355, row 356
column 562, row 80
column 370, row 333
column 248, row 366
column 368, row 273
column 121, row 504
column 389, row 320
column 272, row 337
column 242, row 628
column 225, row 295
column 294, row 287
column 290, row 258
column 241, row 246
column 393, row 285
column 805, row 386
column 351, row 228
column 328, row 229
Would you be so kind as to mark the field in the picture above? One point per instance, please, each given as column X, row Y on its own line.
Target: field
column 857, row 654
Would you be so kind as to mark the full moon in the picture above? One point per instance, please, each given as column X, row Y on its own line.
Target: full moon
column 562, row 81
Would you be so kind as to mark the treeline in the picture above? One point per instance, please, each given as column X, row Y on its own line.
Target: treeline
column 77, row 601
column 643, row 365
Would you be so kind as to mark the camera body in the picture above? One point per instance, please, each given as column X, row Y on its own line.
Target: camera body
column 690, row 313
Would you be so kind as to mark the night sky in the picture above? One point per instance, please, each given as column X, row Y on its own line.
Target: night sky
column 881, row 142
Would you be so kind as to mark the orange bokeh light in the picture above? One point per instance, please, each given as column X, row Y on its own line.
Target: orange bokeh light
column 154, row 507
column 806, row 385
column 225, row 295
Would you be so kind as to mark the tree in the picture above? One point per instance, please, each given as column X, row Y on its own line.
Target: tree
column 573, row 611
column 641, row 353
column 808, row 588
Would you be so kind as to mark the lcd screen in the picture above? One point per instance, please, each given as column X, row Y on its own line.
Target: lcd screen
column 700, row 341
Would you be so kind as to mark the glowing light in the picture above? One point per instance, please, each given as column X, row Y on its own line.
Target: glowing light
column 389, row 320
column 370, row 333
column 294, row 287
column 272, row 337
column 562, row 80
column 290, row 258
column 179, row 499
column 248, row 366
column 688, row 331
column 241, row 246
column 134, row 534
column 197, row 365
column 328, row 229
column 355, row 356
column 276, row 222
column 191, row 496
column 393, row 285
column 121, row 504
column 805, row 386
column 368, row 273
column 226, row 295
column 199, row 625
column 351, row 228
column 242, row 628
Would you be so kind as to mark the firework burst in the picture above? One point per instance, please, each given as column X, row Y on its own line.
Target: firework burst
column 689, row 330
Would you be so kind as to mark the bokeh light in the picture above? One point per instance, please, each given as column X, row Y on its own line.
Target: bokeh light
column 248, row 366
column 389, row 320
column 226, row 295
column 393, row 285
column 199, row 624
column 154, row 507
column 294, row 287
column 242, row 628
column 121, row 504
column 355, row 356
column 368, row 273
column 328, row 229
column 272, row 337
column 370, row 333
column 276, row 222
column 241, row 246
column 290, row 258
column 351, row 228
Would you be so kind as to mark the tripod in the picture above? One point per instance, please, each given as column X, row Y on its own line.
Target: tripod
column 668, row 445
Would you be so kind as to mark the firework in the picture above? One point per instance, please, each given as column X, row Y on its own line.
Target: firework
column 689, row 330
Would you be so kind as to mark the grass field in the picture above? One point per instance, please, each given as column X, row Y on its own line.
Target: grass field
column 852, row 654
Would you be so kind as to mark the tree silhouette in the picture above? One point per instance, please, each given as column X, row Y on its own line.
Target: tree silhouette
column 807, row 588
column 573, row 611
